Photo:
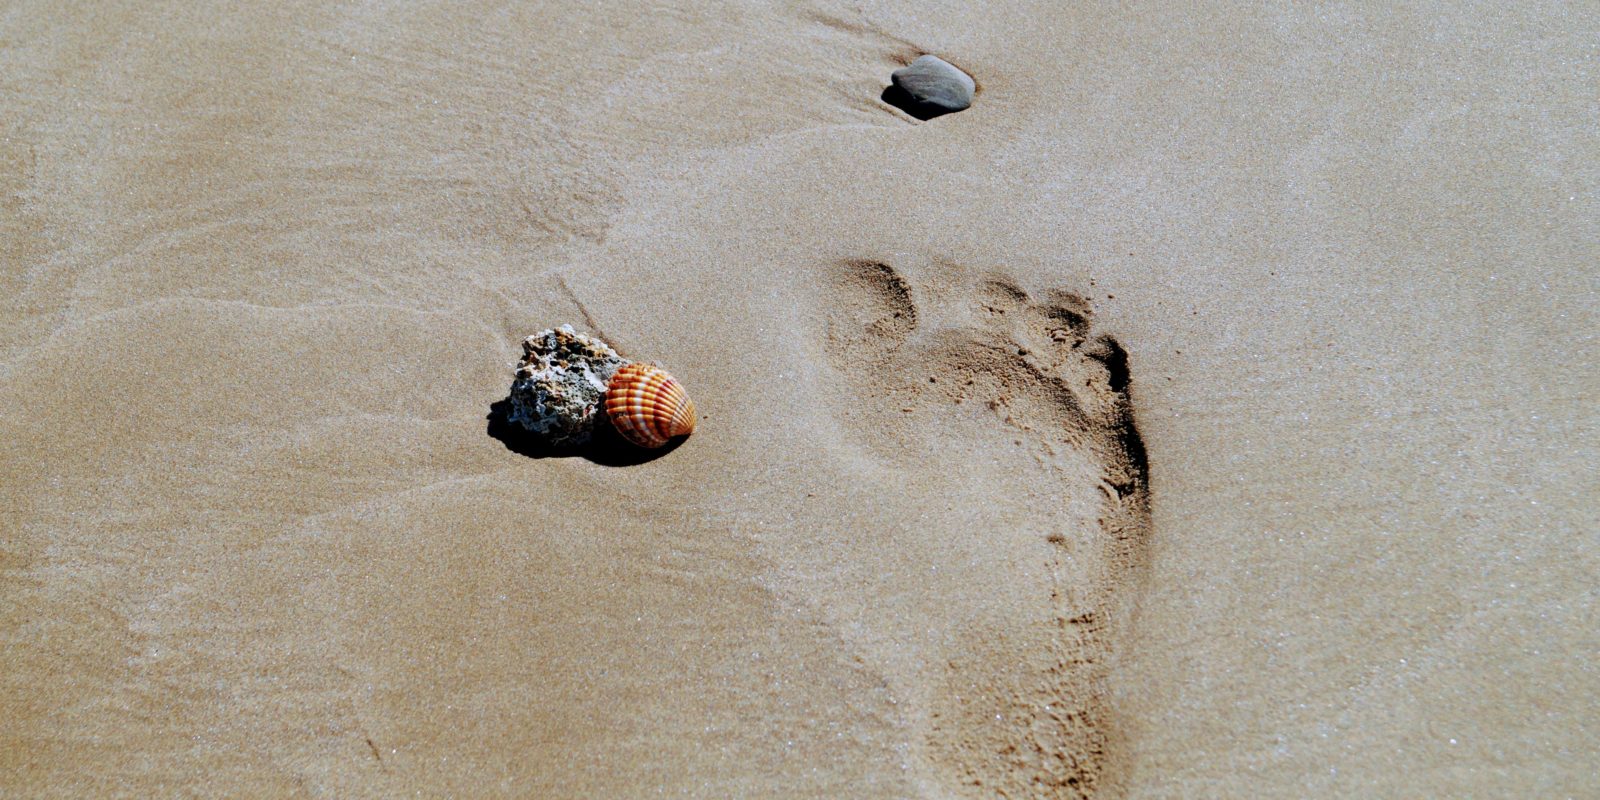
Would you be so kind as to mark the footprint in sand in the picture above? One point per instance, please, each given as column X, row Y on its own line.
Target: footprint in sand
column 959, row 365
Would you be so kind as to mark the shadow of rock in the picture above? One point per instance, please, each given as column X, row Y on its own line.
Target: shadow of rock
column 606, row 447
column 901, row 99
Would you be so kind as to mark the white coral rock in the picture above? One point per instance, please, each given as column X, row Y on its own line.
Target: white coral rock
column 560, row 385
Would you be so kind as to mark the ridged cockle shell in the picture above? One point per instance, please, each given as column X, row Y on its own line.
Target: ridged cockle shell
column 648, row 406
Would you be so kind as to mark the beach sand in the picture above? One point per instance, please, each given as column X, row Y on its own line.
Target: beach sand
column 1209, row 410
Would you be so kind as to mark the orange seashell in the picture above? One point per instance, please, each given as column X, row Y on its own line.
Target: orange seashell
column 648, row 406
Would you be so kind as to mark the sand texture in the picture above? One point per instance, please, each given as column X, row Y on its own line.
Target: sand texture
column 1209, row 410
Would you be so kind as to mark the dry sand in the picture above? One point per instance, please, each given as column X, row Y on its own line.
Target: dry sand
column 1210, row 410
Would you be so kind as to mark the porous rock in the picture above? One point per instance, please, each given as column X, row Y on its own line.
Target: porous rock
column 935, row 84
column 560, row 385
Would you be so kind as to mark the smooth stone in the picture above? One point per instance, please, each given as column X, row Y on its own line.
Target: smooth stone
column 934, row 82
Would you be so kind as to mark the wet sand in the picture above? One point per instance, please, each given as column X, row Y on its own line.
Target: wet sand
column 1207, row 410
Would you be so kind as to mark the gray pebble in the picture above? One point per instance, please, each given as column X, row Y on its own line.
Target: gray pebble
column 936, row 83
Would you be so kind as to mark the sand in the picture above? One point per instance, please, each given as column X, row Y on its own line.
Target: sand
column 1209, row 410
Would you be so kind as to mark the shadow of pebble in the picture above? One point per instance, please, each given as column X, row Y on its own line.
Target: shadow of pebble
column 606, row 447
column 902, row 99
